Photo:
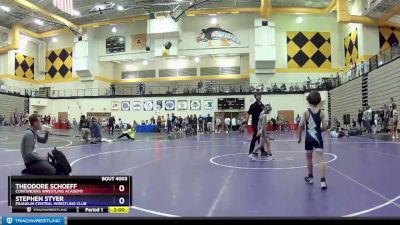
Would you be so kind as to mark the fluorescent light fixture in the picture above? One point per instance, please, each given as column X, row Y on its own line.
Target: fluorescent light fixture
column 214, row 20
column 76, row 12
column 54, row 40
column 196, row 59
column 299, row 19
column 120, row 8
column 145, row 62
column 114, row 29
column 39, row 22
column 5, row 8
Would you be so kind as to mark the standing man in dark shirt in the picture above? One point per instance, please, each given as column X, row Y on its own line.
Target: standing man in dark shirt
column 111, row 123
column 255, row 110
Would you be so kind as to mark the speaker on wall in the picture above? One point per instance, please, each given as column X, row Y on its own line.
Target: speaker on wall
column 168, row 45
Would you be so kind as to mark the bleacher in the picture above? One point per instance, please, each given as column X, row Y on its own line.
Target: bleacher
column 374, row 89
column 383, row 84
column 346, row 99
column 10, row 103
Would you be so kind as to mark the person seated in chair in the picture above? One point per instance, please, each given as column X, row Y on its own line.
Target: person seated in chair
column 35, row 164
column 95, row 132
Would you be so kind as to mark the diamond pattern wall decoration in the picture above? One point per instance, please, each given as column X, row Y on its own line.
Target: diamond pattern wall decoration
column 351, row 47
column 59, row 64
column 388, row 37
column 309, row 49
column 24, row 66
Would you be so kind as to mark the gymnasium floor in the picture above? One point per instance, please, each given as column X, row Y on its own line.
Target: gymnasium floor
column 211, row 175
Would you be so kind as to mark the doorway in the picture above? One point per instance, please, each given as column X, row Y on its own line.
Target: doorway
column 286, row 116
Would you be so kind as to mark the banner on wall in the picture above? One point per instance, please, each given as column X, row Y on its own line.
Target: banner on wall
column 159, row 105
column 24, row 66
column 148, row 105
column 169, row 105
column 139, row 41
column 125, row 106
column 182, row 105
column 212, row 35
column 115, row 44
column 195, row 104
column 208, row 104
column 136, row 106
column 115, row 105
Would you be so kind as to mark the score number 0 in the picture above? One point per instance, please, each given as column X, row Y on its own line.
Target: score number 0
column 121, row 200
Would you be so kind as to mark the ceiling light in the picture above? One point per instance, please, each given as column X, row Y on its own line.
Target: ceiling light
column 54, row 40
column 299, row 19
column 76, row 12
column 214, row 20
column 5, row 8
column 113, row 29
column 196, row 59
column 145, row 62
column 39, row 22
column 120, row 8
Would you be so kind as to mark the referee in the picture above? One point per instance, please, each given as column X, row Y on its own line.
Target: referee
column 255, row 110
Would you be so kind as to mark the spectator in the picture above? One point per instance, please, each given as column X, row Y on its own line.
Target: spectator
column 169, row 123
column 159, row 123
column 368, row 118
column 354, row 123
column 338, row 83
column 84, row 128
column 283, row 87
column 201, row 124
column 1, row 119
column 360, row 117
column 111, row 123
column 386, row 117
column 218, row 123
column 233, row 123
column 209, row 123
column 34, row 163
column 376, row 121
column 194, row 122
column 199, row 86
column 336, row 123
column 163, row 122
column 95, row 132
column 308, row 83
column 112, row 86
column 227, row 123
column 121, row 124
column 298, row 119
column 75, row 124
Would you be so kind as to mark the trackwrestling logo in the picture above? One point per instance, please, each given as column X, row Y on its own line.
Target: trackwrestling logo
column 33, row 220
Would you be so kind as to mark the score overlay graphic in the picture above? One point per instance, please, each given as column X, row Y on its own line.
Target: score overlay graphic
column 70, row 194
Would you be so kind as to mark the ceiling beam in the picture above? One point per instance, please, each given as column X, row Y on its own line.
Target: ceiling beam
column 393, row 11
column 343, row 16
column 265, row 8
column 30, row 6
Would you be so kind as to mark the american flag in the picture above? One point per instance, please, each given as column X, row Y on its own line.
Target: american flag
column 66, row 6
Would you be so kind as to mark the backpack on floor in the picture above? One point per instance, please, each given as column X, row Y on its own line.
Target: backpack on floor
column 60, row 162
column 355, row 132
